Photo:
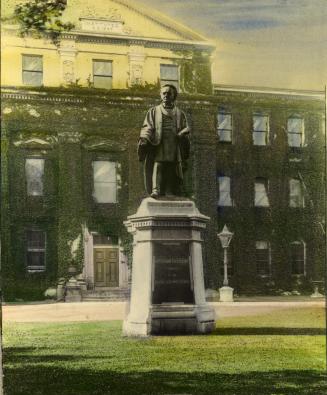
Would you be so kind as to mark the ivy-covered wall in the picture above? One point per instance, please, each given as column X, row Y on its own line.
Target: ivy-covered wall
column 279, row 224
column 70, row 129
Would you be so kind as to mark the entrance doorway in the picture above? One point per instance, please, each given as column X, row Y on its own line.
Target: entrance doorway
column 106, row 267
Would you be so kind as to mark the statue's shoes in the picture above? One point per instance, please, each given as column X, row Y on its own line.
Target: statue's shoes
column 154, row 194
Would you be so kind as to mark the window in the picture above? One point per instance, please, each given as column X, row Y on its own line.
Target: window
column 105, row 181
column 260, row 129
column 36, row 250
column 224, row 127
column 102, row 74
column 32, row 70
column 298, row 257
column 295, row 131
column 224, row 191
column 296, row 193
column 263, row 258
column 261, row 192
column 169, row 75
column 34, row 170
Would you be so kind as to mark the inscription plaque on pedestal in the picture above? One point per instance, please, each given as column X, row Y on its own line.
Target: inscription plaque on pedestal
column 172, row 277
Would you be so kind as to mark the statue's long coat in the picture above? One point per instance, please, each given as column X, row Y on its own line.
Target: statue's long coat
column 152, row 132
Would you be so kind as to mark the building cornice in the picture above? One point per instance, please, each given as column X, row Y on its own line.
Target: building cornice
column 119, row 97
column 271, row 92
column 123, row 39
column 138, row 40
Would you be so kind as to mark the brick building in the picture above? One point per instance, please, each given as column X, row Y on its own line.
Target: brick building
column 72, row 110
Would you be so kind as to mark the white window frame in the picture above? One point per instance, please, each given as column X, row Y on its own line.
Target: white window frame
column 39, row 72
column 303, row 244
column 115, row 183
column 265, row 182
column 268, row 249
column 221, row 202
column 299, row 196
column 225, row 131
column 39, row 268
column 29, row 190
column 109, row 77
column 260, row 132
column 300, row 133
column 176, row 82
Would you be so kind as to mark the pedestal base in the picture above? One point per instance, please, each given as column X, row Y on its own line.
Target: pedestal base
column 226, row 294
column 173, row 319
column 167, row 295
column 316, row 294
column 136, row 329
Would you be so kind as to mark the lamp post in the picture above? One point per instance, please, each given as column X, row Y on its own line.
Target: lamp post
column 225, row 292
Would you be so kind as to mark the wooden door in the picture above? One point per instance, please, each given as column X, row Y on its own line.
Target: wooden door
column 106, row 269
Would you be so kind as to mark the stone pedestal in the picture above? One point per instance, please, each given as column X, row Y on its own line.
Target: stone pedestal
column 73, row 291
column 226, row 294
column 167, row 293
column 316, row 293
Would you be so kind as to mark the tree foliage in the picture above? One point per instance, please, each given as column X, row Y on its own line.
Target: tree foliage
column 42, row 17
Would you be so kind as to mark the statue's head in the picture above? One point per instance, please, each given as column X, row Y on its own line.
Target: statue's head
column 168, row 94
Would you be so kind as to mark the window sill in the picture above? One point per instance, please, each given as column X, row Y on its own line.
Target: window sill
column 35, row 269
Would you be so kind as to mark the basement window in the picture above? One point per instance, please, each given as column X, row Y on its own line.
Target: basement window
column 32, row 70
column 36, row 247
column 104, row 181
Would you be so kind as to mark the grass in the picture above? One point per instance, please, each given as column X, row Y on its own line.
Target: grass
column 278, row 353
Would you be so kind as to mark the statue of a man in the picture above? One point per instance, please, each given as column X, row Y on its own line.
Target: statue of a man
column 164, row 145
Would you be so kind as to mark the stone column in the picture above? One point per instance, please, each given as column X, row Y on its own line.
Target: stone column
column 139, row 316
column 136, row 57
column 197, row 268
column 68, row 52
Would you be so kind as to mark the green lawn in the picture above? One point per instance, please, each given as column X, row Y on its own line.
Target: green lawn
column 281, row 353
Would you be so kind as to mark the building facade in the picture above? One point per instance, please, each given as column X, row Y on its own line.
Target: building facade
column 72, row 110
column 271, row 180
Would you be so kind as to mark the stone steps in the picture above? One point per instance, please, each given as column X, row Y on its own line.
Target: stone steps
column 113, row 294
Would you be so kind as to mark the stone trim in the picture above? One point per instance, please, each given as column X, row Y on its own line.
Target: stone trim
column 39, row 97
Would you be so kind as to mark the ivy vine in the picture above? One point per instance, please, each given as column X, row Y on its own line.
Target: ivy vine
column 42, row 17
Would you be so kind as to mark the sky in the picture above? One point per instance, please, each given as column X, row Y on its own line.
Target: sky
column 265, row 43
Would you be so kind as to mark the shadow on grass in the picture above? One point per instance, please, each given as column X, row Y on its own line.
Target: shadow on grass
column 15, row 354
column 53, row 380
column 270, row 331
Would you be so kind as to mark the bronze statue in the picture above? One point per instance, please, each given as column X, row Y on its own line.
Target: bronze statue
column 164, row 146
